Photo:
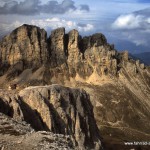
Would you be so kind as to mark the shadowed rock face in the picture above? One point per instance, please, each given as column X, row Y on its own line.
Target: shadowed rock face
column 10, row 105
column 97, row 39
column 57, row 109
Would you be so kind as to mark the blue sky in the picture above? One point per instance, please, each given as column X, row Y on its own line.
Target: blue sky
column 126, row 23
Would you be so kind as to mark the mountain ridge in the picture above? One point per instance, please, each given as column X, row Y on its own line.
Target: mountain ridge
column 119, row 86
column 60, row 49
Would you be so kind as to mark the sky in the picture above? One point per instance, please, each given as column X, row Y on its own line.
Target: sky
column 125, row 23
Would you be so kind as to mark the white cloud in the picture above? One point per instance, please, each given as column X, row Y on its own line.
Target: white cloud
column 48, row 24
column 57, row 22
column 34, row 7
column 148, row 20
column 130, row 21
column 87, row 27
column 134, row 27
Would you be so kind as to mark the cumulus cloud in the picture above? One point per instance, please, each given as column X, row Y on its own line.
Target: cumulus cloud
column 137, row 20
column 84, row 7
column 26, row 7
column 57, row 22
column 32, row 7
column 135, row 27
column 55, row 8
column 130, row 21
column 48, row 24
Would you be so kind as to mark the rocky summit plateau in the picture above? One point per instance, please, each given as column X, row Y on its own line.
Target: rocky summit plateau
column 66, row 91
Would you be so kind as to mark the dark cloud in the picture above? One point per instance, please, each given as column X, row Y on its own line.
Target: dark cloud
column 144, row 12
column 32, row 7
column 55, row 8
column 4, row 1
column 24, row 8
column 84, row 7
column 81, row 25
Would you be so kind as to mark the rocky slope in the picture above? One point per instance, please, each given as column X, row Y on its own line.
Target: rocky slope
column 119, row 86
column 57, row 109
column 18, row 135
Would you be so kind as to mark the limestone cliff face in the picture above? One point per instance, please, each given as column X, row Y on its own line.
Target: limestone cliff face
column 78, row 56
column 65, row 111
column 74, row 54
column 57, row 109
column 57, row 47
column 27, row 44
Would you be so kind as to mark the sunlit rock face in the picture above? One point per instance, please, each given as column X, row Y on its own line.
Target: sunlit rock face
column 27, row 44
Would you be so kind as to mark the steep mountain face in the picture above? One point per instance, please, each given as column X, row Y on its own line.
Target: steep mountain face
column 26, row 44
column 119, row 87
column 57, row 109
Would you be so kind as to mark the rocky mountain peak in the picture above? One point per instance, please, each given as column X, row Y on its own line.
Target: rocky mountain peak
column 29, row 46
column 25, row 44
column 57, row 47
column 78, row 56
column 73, row 39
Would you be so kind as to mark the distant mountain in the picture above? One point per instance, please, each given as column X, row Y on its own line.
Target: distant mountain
column 145, row 57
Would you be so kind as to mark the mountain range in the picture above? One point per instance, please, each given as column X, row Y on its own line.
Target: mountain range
column 75, row 86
